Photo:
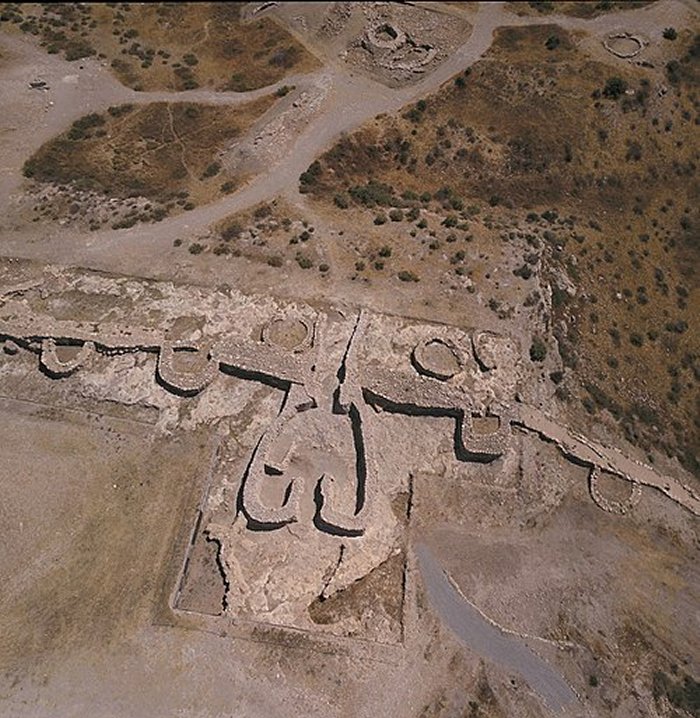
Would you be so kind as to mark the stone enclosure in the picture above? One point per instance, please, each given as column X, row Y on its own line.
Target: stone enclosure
column 305, row 507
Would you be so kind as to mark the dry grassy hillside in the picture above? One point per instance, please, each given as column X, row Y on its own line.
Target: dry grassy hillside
column 575, row 9
column 164, row 152
column 592, row 169
column 166, row 46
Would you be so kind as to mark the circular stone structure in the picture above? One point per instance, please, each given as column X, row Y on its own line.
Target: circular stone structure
column 606, row 490
column 437, row 358
column 186, row 369
column 290, row 333
column 61, row 360
column 386, row 36
column 624, row 44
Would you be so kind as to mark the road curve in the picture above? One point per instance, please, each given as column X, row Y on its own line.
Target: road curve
column 352, row 100
column 489, row 641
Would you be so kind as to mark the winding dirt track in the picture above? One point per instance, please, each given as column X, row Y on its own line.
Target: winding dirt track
column 352, row 100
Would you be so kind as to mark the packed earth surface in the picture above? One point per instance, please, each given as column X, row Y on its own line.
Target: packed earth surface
column 349, row 360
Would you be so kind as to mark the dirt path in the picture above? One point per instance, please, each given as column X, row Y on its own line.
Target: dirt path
column 352, row 100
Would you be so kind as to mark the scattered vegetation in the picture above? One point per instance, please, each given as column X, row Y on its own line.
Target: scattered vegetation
column 670, row 33
column 149, row 46
column 538, row 349
column 161, row 151
column 682, row 692
column 599, row 190
column 614, row 88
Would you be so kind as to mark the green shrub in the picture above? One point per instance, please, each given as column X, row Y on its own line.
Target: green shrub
column 524, row 271
column 670, row 33
column 303, row 261
column 450, row 221
column 396, row 215
column 78, row 49
column 341, row 201
column 231, row 231
column 614, row 88
column 120, row 110
column 310, row 176
column 373, row 193
column 29, row 168
column 212, row 169
column 406, row 276
column 538, row 349
column 195, row 248
column 264, row 210
column 239, row 83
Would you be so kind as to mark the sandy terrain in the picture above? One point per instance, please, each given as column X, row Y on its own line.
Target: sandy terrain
column 310, row 467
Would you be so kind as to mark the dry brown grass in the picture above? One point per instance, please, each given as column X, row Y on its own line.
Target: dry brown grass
column 162, row 151
column 273, row 233
column 529, row 130
column 575, row 9
column 168, row 46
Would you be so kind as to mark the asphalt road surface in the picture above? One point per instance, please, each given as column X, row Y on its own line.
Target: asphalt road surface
column 488, row 641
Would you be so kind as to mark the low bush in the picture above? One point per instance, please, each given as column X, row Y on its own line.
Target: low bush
column 538, row 349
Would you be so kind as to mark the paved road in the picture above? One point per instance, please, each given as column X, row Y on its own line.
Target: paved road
column 488, row 641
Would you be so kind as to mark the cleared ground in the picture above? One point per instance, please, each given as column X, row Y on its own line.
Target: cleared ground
column 89, row 516
column 527, row 182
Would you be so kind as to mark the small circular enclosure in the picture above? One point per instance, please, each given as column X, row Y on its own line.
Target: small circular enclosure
column 623, row 45
column 386, row 36
column 613, row 493
column 290, row 333
column 437, row 358
column 186, row 369
column 61, row 358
